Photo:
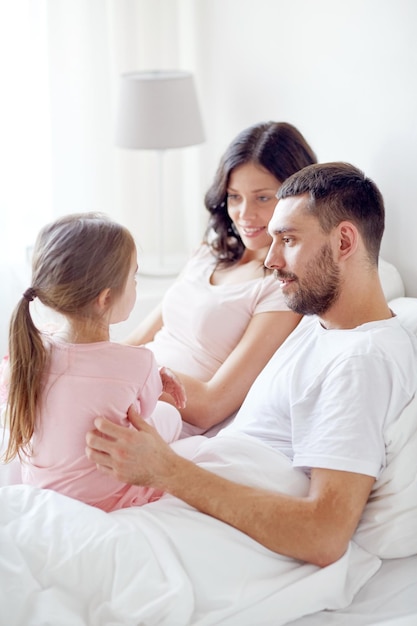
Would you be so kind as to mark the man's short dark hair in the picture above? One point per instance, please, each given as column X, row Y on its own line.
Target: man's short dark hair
column 339, row 192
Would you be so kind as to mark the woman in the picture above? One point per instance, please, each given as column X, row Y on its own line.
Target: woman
column 224, row 317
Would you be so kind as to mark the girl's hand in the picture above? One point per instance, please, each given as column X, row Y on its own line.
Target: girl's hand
column 171, row 384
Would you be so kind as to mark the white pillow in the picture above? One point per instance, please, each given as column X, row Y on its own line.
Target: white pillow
column 406, row 310
column 388, row 527
column 391, row 281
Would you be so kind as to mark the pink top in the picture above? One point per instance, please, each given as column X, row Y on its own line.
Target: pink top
column 203, row 323
column 82, row 382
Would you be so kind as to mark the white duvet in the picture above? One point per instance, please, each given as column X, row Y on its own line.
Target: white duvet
column 63, row 563
column 67, row 564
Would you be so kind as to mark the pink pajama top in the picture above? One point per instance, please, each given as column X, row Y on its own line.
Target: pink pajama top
column 82, row 382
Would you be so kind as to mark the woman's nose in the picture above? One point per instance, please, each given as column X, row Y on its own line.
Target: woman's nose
column 247, row 208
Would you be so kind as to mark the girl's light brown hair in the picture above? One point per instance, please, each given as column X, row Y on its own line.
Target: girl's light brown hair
column 75, row 258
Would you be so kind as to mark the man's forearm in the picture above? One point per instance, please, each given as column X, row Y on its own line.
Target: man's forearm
column 316, row 528
column 289, row 525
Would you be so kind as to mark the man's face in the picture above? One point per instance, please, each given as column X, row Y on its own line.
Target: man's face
column 302, row 257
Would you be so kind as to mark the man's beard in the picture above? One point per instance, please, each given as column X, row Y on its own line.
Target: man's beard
column 319, row 288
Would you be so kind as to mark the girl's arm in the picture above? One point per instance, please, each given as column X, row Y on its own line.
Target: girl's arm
column 209, row 403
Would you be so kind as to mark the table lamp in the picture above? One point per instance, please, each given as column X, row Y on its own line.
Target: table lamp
column 158, row 110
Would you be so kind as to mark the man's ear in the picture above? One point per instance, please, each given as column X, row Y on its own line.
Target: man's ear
column 348, row 239
column 104, row 299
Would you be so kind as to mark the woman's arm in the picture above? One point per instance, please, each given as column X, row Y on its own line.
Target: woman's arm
column 147, row 329
column 209, row 403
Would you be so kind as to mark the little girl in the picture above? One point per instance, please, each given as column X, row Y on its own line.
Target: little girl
column 84, row 267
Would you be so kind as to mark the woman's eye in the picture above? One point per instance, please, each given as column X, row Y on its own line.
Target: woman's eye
column 264, row 198
column 232, row 197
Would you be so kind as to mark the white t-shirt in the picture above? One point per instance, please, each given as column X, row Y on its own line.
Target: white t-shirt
column 203, row 323
column 326, row 396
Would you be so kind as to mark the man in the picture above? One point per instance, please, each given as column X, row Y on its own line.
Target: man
column 326, row 396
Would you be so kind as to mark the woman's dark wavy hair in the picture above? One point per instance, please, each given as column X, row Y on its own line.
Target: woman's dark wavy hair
column 277, row 147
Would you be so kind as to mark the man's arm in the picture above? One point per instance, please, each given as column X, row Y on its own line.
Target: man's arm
column 315, row 528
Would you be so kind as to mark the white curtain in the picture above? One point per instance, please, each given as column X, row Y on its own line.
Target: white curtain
column 60, row 62
column 25, row 145
column 91, row 42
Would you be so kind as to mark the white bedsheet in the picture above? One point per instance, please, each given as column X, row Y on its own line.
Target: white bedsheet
column 65, row 563
column 388, row 599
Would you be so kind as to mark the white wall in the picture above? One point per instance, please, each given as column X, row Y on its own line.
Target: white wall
column 345, row 73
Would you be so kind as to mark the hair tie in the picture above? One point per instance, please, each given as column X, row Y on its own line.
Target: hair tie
column 29, row 294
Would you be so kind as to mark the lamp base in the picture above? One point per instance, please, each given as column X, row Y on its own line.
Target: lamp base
column 169, row 266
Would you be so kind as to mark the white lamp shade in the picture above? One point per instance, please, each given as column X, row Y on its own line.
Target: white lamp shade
column 158, row 110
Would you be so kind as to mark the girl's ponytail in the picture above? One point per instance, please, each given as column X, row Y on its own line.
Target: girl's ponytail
column 27, row 357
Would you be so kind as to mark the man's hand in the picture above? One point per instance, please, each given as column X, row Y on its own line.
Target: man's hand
column 137, row 456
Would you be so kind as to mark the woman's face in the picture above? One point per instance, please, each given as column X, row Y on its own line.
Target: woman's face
column 251, row 199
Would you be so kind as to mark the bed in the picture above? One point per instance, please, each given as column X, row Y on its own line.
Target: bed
column 65, row 563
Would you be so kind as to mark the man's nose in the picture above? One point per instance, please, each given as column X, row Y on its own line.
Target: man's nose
column 274, row 259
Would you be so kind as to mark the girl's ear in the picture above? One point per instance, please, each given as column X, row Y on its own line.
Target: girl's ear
column 104, row 299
